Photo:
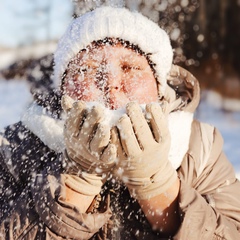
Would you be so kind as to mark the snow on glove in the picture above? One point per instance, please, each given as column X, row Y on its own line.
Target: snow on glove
column 89, row 154
column 145, row 169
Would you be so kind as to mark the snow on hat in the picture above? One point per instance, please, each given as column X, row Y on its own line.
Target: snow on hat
column 119, row 23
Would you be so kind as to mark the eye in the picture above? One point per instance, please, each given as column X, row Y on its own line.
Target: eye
column 87, row 69
column 129, row 67
column 82, row 70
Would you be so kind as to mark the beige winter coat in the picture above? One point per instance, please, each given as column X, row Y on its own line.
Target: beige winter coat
column 33, row 193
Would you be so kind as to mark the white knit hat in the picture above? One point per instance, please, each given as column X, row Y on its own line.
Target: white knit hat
column 115, row 23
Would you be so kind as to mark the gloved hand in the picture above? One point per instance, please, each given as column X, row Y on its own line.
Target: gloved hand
column 143, row 165
column 89, row 153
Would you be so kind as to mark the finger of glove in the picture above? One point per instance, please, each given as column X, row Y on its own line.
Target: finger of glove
column 158, row 121
column 116, row 141
column 95, row 116
column 101, row 139
column 109, row 155
column 77, row 157
column 114, row 136
column 139, row 123
column 84, row 164
column 66, row 103
column 107, row 161
column 127, row 136
column 75, row 118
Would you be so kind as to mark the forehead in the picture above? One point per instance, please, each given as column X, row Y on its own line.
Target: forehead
column 107, row 51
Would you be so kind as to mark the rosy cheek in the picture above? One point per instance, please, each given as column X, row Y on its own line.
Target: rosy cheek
column 73, row 89
column 83, row 89
column 72, row 86
column 142, row 89
column 69, row 88
column 89, row 93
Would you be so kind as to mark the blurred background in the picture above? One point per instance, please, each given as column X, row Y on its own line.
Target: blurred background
column 205, row 36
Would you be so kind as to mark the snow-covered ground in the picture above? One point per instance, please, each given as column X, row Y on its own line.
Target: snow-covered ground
column 15, row 97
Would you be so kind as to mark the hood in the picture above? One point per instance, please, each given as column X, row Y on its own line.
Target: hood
column 183, row 91
column 183, row 96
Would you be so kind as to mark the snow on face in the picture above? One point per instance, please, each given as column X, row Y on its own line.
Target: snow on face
column 112, row 75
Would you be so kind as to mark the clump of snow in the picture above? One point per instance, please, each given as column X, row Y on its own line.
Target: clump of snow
column 111, row 117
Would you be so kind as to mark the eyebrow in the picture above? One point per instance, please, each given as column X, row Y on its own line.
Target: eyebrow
column 89, row 62
column 136, row 59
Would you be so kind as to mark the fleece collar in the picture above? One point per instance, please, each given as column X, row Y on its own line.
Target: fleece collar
column 50, row 131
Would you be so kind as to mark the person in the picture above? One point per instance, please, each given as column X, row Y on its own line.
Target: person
column 114, row 151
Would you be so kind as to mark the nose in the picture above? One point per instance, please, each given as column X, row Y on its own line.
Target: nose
column 113, row 91
column 113, row 76
column 114, row 98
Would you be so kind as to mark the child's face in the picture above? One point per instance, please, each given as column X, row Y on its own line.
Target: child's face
column 112, row 75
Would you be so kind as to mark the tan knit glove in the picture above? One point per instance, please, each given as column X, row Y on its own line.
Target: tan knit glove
column 143, row 165
column 89, row 154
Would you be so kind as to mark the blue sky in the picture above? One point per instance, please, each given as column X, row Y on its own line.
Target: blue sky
column 26, row 21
